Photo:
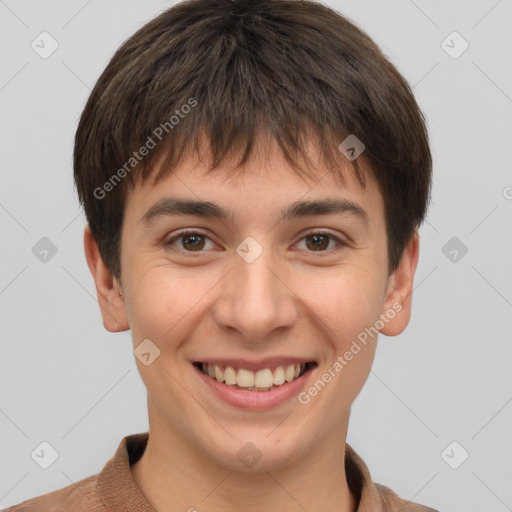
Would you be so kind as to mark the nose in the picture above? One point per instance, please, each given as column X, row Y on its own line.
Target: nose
column 256, row 301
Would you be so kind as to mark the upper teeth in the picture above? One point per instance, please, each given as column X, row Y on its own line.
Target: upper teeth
column 242, row 377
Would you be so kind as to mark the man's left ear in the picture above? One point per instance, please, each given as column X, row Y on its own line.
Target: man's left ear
column 398, row 301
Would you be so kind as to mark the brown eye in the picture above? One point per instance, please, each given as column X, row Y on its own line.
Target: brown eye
column 317, row 242
column 194, row 242
column 190, row 241
column 321, row 242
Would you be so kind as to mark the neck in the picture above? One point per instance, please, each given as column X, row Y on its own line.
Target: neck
column 175, row 476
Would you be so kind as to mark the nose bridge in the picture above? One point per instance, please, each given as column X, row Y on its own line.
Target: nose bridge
column 254, row 301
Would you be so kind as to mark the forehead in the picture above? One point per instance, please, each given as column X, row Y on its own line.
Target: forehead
column 268, row 182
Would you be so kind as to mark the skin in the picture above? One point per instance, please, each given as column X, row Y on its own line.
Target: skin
column 292, row 300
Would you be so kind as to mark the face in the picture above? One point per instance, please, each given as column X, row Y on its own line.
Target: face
column 264, row 280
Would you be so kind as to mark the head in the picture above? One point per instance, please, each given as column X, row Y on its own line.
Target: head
column 235, row 119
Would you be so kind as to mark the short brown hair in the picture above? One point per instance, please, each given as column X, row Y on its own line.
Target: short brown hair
column 294, row 69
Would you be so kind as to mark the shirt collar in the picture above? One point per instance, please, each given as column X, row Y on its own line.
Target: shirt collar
column 118, row 490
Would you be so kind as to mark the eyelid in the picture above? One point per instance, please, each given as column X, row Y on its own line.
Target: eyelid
column 188, row 231
column 184, row 232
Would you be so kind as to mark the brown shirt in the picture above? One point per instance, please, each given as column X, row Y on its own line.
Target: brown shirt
column 114, row 490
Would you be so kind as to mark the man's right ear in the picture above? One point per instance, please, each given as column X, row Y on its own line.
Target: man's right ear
column 108, row 289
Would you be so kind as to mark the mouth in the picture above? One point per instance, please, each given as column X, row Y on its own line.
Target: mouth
column 261, row 380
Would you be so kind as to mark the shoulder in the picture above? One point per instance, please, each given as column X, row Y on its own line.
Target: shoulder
column 394, row 503
column 81, row 496
column 111, row 489
column 374, row 497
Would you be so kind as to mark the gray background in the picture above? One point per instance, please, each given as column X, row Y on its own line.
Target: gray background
column 65, row 380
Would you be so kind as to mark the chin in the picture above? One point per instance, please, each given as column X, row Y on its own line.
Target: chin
column 257, row 450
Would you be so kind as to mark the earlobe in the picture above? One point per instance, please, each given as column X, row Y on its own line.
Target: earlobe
column 398, row 302
column 108, row 289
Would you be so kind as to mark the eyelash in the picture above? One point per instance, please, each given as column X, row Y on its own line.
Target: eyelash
column 182, row 234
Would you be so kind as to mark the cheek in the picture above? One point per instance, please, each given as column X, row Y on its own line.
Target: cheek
column 165, row 303
column 343, row 301
column 345, row 308
column 165, row 307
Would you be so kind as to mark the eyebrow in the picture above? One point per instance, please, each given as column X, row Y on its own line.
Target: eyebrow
column 175, row 206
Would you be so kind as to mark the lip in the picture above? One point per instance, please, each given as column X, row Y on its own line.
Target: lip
column 256, row 400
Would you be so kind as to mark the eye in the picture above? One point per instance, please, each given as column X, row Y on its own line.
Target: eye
column 321, row 241
column 195, row 241
column 191, row 241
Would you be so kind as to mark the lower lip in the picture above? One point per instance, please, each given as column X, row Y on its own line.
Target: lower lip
column 256, row 400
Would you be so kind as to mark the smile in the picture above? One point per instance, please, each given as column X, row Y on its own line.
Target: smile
column 265, row 379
